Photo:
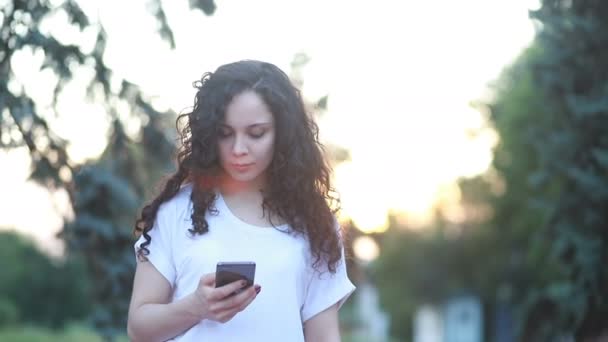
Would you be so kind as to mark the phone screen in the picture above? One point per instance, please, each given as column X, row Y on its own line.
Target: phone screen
column 228, row 272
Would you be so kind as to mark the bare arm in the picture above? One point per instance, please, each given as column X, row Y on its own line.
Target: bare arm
column 152, row 317
column 323, row 327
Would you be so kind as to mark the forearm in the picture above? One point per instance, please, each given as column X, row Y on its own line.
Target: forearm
column 160, row 322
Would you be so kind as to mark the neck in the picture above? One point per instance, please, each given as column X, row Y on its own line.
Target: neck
column 229, row 186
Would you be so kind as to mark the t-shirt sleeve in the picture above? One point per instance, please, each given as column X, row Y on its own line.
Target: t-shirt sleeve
column 160, row 246
column 325, row 289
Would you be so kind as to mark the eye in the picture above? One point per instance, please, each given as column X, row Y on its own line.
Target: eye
column 257, row 135
column 224, row 132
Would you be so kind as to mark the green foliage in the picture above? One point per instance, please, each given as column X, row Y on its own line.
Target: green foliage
column 107, row 195
column 104, row 194
column 551, row 114
column 522, row 254
column 36, row 289
column 9, row 314
column 72, row 333
column 417, row 268
column 572, row 76
column 544, row 249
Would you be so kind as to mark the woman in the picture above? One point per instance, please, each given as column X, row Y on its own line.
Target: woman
column 252, row 184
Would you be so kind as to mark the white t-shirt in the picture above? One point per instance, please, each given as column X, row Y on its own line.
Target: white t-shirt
column 292, row 291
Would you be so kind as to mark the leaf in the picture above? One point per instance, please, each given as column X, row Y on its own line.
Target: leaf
column 86, row 225
column 76, row 15
column 601, row 156
column 322, row 103
column 596, row 187
column 560, row 291
column 584, row 105
column 300, row 60
column 207, row 6
column 156, row 8
column 538, row 178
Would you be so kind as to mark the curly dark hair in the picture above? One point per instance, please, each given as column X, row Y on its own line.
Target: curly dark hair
column 298, row 190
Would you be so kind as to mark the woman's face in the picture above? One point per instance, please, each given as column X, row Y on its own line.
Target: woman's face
column 246, row 138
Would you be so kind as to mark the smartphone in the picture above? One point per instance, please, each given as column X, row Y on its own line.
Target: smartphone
column 228, row 272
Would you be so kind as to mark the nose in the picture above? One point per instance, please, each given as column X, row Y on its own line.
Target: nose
column 239, row 147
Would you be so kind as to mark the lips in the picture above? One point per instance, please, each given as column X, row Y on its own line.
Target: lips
column 242, row 167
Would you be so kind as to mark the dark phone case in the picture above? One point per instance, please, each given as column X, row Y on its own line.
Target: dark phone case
column 228, row 272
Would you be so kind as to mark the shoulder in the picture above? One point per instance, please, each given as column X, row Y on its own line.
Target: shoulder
column 178, row 205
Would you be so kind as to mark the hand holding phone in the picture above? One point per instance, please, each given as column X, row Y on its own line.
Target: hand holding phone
column 229, row 272
column 220, row 299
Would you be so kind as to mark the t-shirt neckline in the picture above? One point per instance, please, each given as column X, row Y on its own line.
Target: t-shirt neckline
column 223, row 206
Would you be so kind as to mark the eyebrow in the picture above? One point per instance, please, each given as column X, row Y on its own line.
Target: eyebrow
column 257, row 124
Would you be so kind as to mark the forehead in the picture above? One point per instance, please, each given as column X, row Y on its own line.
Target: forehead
column 246, row 109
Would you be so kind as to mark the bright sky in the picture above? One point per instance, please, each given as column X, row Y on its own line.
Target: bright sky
column 400, row 76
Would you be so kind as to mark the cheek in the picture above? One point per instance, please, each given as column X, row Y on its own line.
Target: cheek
column 223, row 148
column 267, row 147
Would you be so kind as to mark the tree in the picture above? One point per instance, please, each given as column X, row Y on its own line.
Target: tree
column 35, row 289
column 573, row 152
column 550, row 111
column 21, row 122
column 104, row 194
column 544, row 249
column 519, row 253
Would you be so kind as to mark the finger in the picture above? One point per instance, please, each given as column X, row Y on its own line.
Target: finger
column 208, row 279
column 247, row 302
column 221, row 293
column 234, row 305
column 239, row 301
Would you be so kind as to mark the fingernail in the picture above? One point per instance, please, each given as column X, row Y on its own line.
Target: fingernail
column 258, row 288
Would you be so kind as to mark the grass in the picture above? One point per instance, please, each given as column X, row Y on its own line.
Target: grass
column 72, row 333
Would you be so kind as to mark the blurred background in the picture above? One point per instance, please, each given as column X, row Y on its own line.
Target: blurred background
column 469, row 141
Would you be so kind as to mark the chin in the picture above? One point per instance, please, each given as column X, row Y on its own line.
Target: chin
column 244, row 177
